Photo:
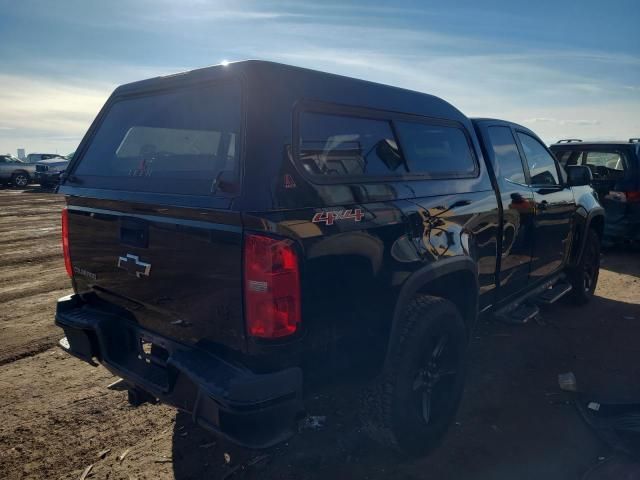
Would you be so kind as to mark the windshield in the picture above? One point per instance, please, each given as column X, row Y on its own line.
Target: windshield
column 175, row 142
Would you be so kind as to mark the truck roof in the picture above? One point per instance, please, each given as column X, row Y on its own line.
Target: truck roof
column 279, row 82
column 505, row 122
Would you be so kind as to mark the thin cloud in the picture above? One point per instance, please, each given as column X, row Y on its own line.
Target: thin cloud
column 563, row 122
column 208, row 15
column 552, row 88
column 42, row 110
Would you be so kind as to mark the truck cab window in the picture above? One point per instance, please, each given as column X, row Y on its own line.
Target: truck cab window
column 340, row 145
column 508, row 164
column 436, row 150
column 542, row 166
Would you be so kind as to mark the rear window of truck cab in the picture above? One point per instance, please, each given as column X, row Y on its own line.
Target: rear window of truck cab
column 175, row 142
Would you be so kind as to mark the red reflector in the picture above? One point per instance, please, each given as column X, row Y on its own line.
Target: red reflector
column 65, row 241
column 271, row 286
column 633, row 196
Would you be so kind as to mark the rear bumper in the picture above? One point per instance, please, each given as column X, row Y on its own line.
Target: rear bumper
column 249, row 409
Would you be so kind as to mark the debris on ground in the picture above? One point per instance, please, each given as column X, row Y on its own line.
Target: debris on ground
column 118, row 385
column 123, row 455
column 86, row 472
column 595, row 406
column 103, row 453
column 163, row 460
column 208, row 445
column 258, row 459
column 567, row 382
column 250, row 463
column 618, row 424
column 227, row 457
column 313, row 422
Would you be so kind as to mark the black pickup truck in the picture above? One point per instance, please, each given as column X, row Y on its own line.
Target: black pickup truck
column 239, row 233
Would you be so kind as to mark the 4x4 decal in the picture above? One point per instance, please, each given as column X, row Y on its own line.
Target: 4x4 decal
column 328, row 218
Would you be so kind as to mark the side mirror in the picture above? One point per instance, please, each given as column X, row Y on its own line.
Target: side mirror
column 578, row 175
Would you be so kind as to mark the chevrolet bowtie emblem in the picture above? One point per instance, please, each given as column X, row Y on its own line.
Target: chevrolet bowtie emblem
column 133, row 265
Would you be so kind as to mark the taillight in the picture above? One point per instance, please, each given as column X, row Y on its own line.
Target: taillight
column 65, row 241
column 630, row 197
column 633, row 196
column 271, row 286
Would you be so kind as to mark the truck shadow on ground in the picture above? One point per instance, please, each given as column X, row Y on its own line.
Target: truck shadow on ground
column 514, row 421
column 618, row 260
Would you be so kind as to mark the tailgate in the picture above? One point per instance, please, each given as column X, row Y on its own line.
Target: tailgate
column 151, row 228
column 176, row 272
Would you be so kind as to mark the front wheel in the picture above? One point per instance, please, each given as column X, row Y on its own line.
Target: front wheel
column 20, row 180
column 412, row 405
column 584, row 277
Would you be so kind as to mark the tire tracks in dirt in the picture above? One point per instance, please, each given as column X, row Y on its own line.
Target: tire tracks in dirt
column 32, row 273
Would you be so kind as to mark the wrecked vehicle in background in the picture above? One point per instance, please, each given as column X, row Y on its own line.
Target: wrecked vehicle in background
column 615, row 167
column 48, row 172
column 239, row 233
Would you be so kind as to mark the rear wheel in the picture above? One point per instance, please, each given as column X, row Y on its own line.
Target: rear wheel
column 584, row 277
column 416, row 399
column 20, row 179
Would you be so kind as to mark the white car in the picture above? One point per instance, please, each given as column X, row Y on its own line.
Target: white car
column 37, row 157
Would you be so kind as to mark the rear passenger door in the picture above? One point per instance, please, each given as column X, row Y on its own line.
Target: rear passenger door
column 554, row 208
column 518, row 209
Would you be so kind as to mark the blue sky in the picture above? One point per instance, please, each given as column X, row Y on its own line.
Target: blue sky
column 563, row 68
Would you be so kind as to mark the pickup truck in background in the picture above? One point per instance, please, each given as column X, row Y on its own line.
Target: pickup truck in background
column 240, row 233
column 15, row 171
column 48, row 172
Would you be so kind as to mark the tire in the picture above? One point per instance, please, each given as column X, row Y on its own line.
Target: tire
column 20, row 179
column 412, row 404
column 584, row 277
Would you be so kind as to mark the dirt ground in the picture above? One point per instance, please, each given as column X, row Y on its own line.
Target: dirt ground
column 58, row 418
